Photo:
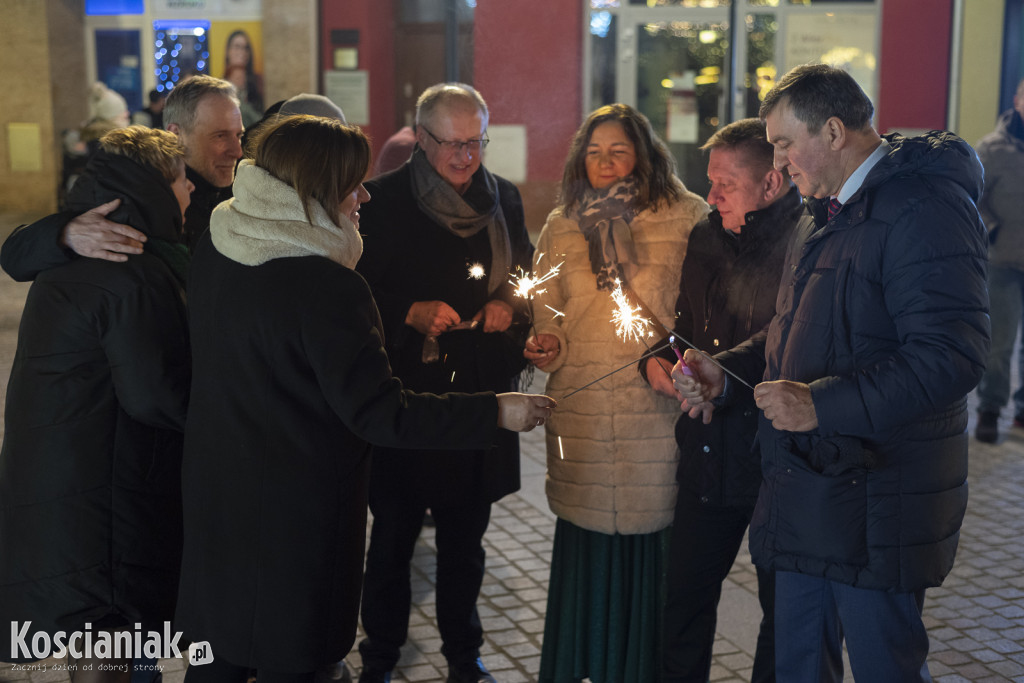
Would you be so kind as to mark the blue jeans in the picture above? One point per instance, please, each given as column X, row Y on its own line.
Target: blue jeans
column 1006, row 310
column 885, row 637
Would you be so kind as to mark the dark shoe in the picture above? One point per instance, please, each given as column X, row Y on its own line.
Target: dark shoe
column 987, row 430
column 371, row 675
column 473, row 672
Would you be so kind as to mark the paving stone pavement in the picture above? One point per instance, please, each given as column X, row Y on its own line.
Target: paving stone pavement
column 975, row 621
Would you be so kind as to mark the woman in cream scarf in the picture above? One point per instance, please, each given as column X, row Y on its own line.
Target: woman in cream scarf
column 290, row 386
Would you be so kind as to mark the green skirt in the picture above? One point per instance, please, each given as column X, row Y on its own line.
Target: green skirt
column 605, row 598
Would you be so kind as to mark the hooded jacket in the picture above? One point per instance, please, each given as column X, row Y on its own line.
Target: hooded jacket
column 883, row 311
column 90, row 498
column 1002, row 203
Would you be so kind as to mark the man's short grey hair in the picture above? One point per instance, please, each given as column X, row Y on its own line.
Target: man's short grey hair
column 184, row 99
column 447, row 95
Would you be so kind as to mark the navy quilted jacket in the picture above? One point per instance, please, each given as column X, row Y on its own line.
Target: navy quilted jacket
column 884, row 312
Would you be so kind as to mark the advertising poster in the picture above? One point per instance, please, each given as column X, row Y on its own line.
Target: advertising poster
column 236, row 55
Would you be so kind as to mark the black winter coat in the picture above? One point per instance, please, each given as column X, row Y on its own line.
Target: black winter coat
column 407, row 257
column 291, row 383
column 727, row 293
column 884, row 312
column 90, row 498
column 31, row 249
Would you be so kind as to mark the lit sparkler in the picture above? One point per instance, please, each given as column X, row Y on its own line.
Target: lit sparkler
column 629, row 323
column 476, row 271
column 527, row 285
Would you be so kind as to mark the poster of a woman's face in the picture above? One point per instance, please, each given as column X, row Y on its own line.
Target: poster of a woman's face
column 241, row 62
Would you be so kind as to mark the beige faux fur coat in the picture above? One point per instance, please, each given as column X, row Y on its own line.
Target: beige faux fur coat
column 611, row 447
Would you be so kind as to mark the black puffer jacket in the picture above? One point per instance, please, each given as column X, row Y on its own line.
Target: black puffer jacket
column 727, row 293
column 90, row 494
column 884, row 312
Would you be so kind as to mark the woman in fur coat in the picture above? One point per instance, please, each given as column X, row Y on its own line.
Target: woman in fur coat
column 290, row 386
column 624, row 221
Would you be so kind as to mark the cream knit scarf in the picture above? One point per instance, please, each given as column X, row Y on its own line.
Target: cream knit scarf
column 265, row 220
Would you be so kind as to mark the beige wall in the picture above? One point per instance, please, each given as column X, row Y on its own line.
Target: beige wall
column 979, row 72
column 37, row 35
column 290, row 67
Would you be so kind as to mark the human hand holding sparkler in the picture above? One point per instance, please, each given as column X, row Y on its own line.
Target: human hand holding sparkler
column 522, row 412
column 541, row 349
column 496, row 316
column 705, row 382
column 431, row 318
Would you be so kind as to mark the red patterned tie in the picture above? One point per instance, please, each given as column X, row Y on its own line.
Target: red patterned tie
column 833, row 207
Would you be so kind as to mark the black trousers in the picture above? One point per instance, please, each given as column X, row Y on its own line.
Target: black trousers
column 387, row 593
column 705, row 541
column 222, row 671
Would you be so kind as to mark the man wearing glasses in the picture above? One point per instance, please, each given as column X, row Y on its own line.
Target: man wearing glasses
column 440, row 238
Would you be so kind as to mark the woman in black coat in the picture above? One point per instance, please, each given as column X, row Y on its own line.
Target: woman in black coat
column 291, row 385
column 90, row 503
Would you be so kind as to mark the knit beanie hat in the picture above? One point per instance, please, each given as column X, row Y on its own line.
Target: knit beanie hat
column 314, row 105
column 106, row 104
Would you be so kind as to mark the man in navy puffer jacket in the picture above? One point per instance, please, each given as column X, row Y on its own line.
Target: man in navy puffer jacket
column 881, row 330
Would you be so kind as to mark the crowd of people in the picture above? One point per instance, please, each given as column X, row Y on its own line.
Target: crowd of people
column 230, row 352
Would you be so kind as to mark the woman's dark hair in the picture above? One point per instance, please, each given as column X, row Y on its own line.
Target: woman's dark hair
column 253, row 86
column 655, row 167
column 321, row 158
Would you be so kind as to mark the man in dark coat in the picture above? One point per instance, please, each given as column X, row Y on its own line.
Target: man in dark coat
column 90, row 470
column 203, row 112
column 727, row 293
column 440, row 238
column 881, row 330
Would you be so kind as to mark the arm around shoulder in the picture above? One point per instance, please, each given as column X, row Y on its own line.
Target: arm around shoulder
column 31, row 249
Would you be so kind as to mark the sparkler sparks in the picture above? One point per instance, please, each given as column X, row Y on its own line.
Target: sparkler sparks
column 629, row 324
column 527, row 285
column 476, row 271
column 557, row 312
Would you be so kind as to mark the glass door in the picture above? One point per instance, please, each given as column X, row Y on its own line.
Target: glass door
column 691, row 66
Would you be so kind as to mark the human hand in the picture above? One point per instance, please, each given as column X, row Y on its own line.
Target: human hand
column 787, row 404
column 496, row 316
column 698, row 389
column 522, row 412
column 93, row 236
column 541, row 349
column 431, row 317
column 659, row 377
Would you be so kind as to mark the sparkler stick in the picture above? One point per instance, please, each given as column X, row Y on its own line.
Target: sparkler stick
column 619, row 369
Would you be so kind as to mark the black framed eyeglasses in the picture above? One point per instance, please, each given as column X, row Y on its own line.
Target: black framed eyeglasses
column 454, row 146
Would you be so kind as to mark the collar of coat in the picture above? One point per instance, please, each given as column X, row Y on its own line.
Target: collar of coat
column 937, row 155
column 763, row 225
column 265, row 220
